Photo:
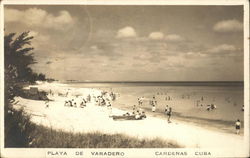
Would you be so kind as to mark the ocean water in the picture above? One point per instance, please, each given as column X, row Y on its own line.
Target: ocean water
column 228, row 98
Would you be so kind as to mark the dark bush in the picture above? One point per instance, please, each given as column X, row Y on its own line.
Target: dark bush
column 18, row 128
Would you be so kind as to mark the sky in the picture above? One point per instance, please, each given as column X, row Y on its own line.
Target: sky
column 133, row 43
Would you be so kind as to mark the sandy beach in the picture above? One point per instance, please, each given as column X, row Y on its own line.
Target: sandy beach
column 94, row 118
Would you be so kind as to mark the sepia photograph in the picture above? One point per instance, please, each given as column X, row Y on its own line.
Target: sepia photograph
column 97, row 79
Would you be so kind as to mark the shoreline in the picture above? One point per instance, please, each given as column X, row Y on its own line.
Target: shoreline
column 94, row 118
column 217, row 125
column 213, row 124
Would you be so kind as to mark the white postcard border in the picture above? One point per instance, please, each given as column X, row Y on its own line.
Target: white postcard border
column 43, row 152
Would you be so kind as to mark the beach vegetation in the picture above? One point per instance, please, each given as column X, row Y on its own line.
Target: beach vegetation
column 18, row 57
column 45, row 137
column 18, row 128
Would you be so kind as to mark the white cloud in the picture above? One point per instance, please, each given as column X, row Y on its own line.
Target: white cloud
column 126, row 32
column 223, row 48
column 174, row 38
column 63, row 20
column 156, row 35
column 194, row 55
column 228, row 26
column 34, row 17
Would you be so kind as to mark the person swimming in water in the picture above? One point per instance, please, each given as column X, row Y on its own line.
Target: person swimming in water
column 153, row 108
column 208, row 107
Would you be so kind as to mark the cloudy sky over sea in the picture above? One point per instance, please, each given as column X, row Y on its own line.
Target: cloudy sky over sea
column 113, row 43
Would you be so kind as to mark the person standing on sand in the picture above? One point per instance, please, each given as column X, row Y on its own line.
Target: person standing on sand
column 109, row 106
column 137, row 115
column 166, row 109
column 66, row 103
column 143, row 115
column 237, row 126
column 134, row 109
column 47, row 103
column 169, row 113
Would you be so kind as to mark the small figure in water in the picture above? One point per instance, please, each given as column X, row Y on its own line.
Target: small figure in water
column 213, row 106
column 237, row 126
column 208, row 107
column 140, row 101
column 153, row 108
column 242, row 109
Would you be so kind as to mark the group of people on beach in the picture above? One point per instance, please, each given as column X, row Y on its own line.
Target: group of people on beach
column 137, row 112
column 167, row 111
column 153, row 104
column 73, row 103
